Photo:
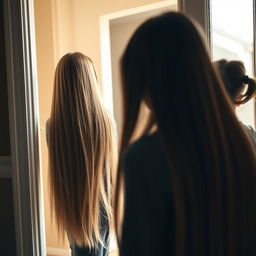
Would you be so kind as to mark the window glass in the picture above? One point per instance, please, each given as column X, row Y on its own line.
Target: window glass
column 232, row 39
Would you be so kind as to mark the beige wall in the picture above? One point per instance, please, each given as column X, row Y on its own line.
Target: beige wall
column 121, row 30
column 45, row 64
column 86, row 23
column 63, row 26
column 53, row 39
column 119, row 41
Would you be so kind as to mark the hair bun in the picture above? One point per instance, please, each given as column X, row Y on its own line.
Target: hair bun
column 245, row 79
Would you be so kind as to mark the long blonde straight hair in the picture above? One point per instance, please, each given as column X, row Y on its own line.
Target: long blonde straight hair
column 82, row 152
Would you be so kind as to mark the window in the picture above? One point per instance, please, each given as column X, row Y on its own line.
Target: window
column 232, row 38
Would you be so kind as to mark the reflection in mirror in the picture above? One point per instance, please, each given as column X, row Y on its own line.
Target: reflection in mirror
column 69, row 26
column 232, row 39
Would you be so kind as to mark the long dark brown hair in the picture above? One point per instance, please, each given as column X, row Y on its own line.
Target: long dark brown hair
column 82, row 152
column 240, row 87
column 212, row 164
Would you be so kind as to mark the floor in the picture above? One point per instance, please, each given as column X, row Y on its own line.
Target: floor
column 112, row 253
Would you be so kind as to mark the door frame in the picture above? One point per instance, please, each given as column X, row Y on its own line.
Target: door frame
column 24, row 127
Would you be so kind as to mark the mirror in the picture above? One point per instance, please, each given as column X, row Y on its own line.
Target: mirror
column 99, row 29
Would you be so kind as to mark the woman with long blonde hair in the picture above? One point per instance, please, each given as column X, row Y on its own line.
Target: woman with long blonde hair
column 82, row 155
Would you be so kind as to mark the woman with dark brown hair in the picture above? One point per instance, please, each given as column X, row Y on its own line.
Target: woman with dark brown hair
column 190, row 179
column 82, row 157
column 239, row 86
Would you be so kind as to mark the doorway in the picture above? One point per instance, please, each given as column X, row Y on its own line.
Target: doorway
column 116, row 30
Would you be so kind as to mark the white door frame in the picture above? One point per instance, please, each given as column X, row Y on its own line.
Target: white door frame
column 24, row 126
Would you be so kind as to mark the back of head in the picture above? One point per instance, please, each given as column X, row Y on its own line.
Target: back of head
column 81, row 152
column 239, row 86
column 166, row 64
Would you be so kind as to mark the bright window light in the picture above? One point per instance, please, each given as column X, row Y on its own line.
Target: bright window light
column 232, row 39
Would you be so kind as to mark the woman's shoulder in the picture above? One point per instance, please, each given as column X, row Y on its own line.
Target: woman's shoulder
column 147, row 144
column 250, row 130
column 252, row 134
column 147, row 154
column 145, row 162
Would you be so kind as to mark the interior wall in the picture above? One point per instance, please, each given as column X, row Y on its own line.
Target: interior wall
column 121, row 31
column 86, row 23
column 45, row 66
column 119, row 40
column 65, row 26
column 53, row 39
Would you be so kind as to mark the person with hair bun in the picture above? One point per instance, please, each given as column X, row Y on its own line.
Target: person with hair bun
column 240, row 87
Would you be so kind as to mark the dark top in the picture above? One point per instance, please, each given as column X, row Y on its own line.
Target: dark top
column 99, row 251
column 149, row 224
